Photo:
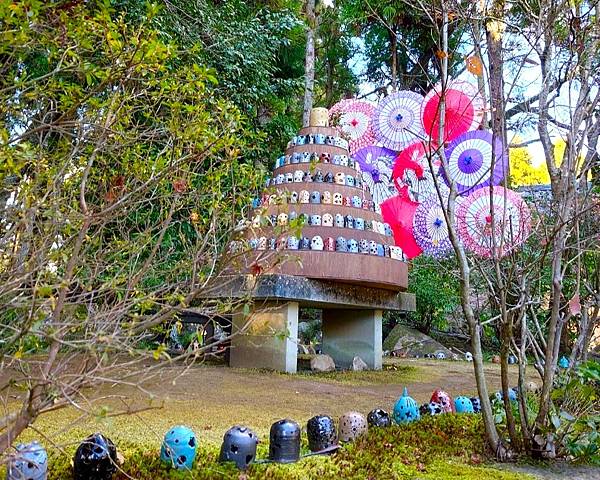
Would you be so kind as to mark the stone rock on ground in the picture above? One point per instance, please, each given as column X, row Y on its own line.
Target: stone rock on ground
column 358, row 364
column 322, row 363
column 409, row 342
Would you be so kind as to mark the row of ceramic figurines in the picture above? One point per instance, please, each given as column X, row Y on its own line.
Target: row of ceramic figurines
column 318, row 139
column 326, row 220
column 314, row 157
column 340, row 178
column 316, row 197
column 329, row 244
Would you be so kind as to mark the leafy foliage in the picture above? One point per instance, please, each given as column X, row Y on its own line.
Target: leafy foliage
column 123, row 183
column 522, row 170
column 577, row 412
column 435, row 288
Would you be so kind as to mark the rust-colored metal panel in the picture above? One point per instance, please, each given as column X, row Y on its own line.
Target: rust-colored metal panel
column 354, row 268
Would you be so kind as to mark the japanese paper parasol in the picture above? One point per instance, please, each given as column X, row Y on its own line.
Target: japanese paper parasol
column 376, row 166
column 464, row 109
column 412, row 170
column 505, row 210
column 354, row 119
column 469, row 160
column 399, row 212
column 397, row 120
column 431, row 230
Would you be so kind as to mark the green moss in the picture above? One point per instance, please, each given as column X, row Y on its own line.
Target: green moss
column 439, row 447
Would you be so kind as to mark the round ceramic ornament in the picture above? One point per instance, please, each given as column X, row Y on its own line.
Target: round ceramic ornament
column 463, row 405
column 352, row 425
column 379, row 418
column 239, row 446
column 341, row 245
column 179, row 447
column 445, row 400
column 321, row 433
column 406, row 409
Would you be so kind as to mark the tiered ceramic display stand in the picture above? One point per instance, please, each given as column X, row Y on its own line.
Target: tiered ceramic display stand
column 364, row 267
column 352, row 289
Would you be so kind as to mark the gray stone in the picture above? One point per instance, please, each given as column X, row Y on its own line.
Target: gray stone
column 322, row 363
column 406, row 341
column 311, row 292
column 358, row 364
column 348, row 333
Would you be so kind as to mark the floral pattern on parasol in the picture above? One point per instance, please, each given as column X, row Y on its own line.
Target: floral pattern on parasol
column 464, row 108
column 375, row 164
column 469, row 160
column 353, row 118
column 431, row 230
column 505, row 210
column 412, row 170
column 397, row 120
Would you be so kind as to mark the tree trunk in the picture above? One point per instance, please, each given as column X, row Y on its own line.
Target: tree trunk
column 465, row 271
column 497, row 103
column 394, row 59
column 309, row 61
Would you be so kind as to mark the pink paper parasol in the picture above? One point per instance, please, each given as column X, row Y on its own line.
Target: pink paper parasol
column 397, row 120
column 431, row 229
column 511, row 221
column 463, row 112
column 399, row 212
column 354, row 120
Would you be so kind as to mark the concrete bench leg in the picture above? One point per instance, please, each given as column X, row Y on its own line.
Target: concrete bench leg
column 267, row 338
column 348, row 333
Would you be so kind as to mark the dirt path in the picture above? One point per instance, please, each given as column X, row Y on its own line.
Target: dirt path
column 213, row 398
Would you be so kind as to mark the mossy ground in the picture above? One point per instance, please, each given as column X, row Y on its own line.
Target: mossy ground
column 210, row 399
column 444, row 447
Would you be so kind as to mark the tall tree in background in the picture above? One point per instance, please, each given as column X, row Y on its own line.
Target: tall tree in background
column 399, row 41
column 309, row 59
column 256, row 49
column 335, row 51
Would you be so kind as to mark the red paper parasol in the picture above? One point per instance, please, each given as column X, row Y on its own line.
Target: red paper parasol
column 399, row 213
column 354, row 120
column 511, row 221
column 464, row 110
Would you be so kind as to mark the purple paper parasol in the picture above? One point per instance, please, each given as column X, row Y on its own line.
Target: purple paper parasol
column 470, row 161
column 431, row 230
column 495, row 224
column 397, row 120
column 375, row 164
